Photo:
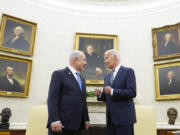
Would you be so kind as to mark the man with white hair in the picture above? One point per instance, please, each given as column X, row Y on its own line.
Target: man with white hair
column 67, row 107
column 118, row 93
column 168, row 46
column 170, row 85
column 17, row 41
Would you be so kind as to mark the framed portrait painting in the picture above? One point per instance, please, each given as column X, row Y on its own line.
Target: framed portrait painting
column 14, row 76
column 17, row 35
column 94, row 46
column 166, row 42
column 167, row 80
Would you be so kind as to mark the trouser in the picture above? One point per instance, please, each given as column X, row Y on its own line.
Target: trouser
column 65, row 132
column 119, row 130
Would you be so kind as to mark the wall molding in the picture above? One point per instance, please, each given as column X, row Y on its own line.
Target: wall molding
column 167, row 126
column 105, row 10
column 159, row 125
column 18, row 125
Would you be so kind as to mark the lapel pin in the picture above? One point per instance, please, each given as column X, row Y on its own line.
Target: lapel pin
column 69, row 73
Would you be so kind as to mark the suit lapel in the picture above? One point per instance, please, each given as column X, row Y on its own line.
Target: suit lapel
column 70, row 74
column 107, row 80
column 118, row 74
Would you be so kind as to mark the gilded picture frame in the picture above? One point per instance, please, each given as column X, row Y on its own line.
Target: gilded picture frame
column 166, row 42
column 167, row 80
column 94, row 46
column 14, row 76
column 17, row 35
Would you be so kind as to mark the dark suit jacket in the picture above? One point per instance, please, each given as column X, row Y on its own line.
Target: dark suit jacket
column 93, row 61
column 171, row 48
column 66, row 102
column 172, row 88
column 120, row 105
column 20, row 44
column 5, row 85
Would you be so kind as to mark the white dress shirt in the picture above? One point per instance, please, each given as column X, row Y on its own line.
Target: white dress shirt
column 10, row 80
column 115, row 73
column 74, row 71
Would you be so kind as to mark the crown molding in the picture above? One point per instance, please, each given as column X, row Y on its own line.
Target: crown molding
column 105, row 10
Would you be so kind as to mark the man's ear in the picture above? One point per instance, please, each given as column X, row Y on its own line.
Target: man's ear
column 76, row 58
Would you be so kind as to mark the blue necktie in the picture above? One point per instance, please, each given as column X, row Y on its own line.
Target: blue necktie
column 79, row 80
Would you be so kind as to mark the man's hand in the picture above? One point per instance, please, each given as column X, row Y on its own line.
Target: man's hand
column 57, row 126
column 97, row 92
column 98, row 71
column 87, row 125
column 107, row 89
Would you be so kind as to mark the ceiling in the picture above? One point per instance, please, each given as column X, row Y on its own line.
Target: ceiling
column 106, row 8
column 110, row 1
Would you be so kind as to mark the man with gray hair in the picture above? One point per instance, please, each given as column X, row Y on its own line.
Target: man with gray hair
column 17, row 41
column 118, row 93
column 67, row 107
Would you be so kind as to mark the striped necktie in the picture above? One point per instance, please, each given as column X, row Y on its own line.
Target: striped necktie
column 112, row 77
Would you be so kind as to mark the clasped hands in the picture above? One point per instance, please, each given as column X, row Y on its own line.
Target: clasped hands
column 107, row 90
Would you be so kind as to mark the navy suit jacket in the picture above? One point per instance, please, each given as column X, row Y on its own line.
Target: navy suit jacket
column 5, row 85
column 120, row 105
column 66, row 102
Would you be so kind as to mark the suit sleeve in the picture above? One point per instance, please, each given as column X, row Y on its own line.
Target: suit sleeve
column 130, row 86
column 54, row 97
column 102, row 97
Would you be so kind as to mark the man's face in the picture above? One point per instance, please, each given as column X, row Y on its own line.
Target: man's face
column 172, row 115
column 6, row 113
column 109, row 60
column 10, row 71
column 17, row 32
column 170, row 75
column 167, row 37
column 80, row 63
column 90, row 49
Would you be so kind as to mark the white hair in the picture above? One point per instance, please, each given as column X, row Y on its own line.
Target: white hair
column 168, row 34
column 171, row 72
column 75, row 54
column 113, row 53
column 19, row 28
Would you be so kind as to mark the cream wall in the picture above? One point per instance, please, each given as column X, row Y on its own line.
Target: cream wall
column 55, row 39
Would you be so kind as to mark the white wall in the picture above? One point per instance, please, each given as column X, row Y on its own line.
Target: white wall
column 55, row 40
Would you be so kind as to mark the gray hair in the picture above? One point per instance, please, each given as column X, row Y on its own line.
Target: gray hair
column 113, row 52
column 19, row 28
column 75, row 54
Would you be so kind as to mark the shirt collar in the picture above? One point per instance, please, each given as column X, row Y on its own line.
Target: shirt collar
column 117, row 68
column 72, row 69
column 8, row 77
